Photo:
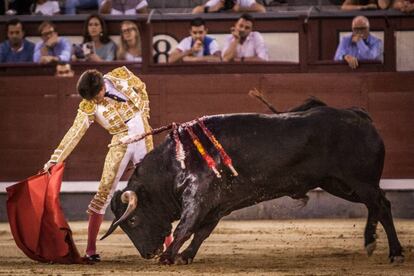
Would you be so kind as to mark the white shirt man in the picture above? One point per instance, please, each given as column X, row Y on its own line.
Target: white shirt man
column 47, row 8
column 244, row 44
column 188, row 42
column 196, row 47
column 128, row 7
column 230, row 5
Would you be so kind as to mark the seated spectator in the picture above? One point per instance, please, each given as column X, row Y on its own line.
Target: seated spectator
column 360, row 5
column 244, row 44
column 116, row 7
column 96, row 35
column 360, row 45
column 404, row 5
column 198, row 46
column 52, row 48
column 45, row 7
column 18, row 7
column 72, row 5
column 64, row 70
column 16, row 48
column 230, row 5
column 130, row 48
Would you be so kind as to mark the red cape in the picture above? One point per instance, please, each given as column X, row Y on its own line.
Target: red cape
column 37, row 221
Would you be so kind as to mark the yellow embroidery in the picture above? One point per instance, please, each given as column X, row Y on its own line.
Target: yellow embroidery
column 131, row 86
column 72, row 137
column 111, row 167
column 88, row 107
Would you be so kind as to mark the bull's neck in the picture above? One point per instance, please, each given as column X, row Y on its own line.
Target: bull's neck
column 170, row 205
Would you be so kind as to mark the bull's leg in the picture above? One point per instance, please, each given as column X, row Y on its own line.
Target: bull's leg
column 193, row 214
column 396, row 250
column 187, row 256
column 182, row 233
column 374, row 199
column 370, row 235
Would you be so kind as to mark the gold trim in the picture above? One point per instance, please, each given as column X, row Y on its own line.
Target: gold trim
column 110, row 171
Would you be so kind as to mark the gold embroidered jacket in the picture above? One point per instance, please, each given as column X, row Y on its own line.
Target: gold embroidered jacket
column 109, row 113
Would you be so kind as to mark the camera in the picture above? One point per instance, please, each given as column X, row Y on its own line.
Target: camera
column 229, row 4
column 81, row 51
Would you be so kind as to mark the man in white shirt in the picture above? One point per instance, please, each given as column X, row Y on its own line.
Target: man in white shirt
column 198, row 46
column 244, row 44
column 45, row 7
column 230, row 5
column 117, row 7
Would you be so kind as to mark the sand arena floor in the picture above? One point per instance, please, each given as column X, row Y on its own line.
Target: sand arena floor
column 283, row 247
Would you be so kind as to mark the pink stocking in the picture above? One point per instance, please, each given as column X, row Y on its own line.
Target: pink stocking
column 95, row 221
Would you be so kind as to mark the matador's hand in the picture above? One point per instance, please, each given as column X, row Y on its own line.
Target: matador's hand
column 48, row 165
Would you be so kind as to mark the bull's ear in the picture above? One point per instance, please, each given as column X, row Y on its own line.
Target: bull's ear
column 116, row 200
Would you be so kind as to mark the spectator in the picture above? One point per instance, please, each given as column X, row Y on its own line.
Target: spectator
column 45, row 7
column 52, row 48
column 244, row 44
column 96, row 34
column 16, row 48
column 404, row 5
column 130, row 48
column 230, row 5
column 360, row 45
column 198, row 46
column 18, row 6
column 352, row 5
column 64, row 70
column 116, row 7
column 72, row 5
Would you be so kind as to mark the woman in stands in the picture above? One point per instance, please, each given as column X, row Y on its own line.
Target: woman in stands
column 95, row 37
column 130, row 48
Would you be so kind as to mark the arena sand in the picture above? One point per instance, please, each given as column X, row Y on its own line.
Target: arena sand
column 278, row 247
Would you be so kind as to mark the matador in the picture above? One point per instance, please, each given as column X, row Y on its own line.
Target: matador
column 118, row 101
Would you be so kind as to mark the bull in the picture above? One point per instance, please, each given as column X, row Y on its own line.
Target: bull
column 287, row 154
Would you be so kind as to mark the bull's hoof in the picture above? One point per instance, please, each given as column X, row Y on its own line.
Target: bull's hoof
column 397, row 259
column 182, row 260
column 370, row 248
column 166, row 260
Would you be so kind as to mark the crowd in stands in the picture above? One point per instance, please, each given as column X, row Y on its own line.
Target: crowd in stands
column 117, row 7
column 97, row 45
column 242, row 44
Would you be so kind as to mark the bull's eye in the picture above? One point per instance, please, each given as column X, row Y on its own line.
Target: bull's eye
column 132, row 222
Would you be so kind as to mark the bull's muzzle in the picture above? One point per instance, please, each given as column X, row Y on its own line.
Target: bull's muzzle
column 131, row 198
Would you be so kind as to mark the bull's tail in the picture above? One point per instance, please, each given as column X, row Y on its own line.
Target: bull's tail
column 310, row 103
column 361, row 112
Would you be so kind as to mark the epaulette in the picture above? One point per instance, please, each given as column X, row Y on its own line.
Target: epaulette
column 89, row 107
column 120, row 73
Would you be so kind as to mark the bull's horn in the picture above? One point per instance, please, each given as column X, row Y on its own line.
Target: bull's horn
column 129, row 197
column 110, row 230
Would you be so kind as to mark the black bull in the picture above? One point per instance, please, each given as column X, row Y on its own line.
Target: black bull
column 338, row 150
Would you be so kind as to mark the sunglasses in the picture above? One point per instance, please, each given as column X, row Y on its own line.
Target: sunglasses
column 128, row 30
column 359, row 29
column 46, row 34
column 64, row 72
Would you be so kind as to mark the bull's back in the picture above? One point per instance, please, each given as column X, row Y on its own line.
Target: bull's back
column 293, row 147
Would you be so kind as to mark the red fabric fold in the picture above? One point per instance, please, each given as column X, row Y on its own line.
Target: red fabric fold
column 36, row 219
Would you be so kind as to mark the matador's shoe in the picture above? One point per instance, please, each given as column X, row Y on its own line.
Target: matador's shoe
column 95, row 258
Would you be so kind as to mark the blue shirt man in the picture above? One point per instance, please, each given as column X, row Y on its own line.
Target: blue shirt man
column 52, row 48
column 16, row 48
column 361, row 45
